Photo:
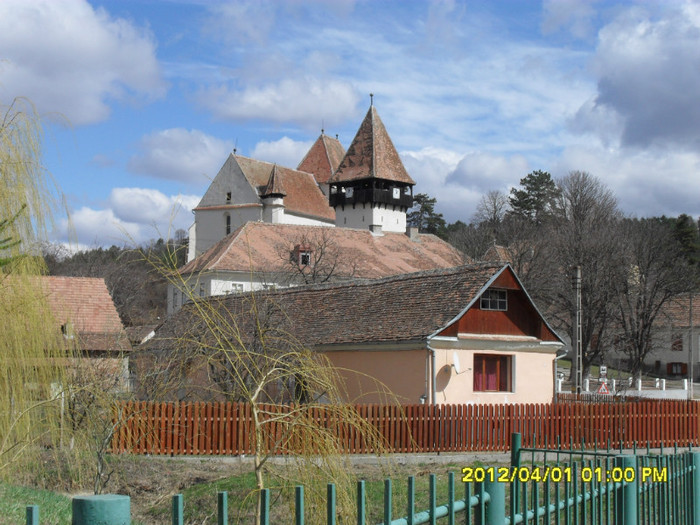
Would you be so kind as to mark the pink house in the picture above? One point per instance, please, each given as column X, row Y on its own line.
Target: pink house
column 469, row 334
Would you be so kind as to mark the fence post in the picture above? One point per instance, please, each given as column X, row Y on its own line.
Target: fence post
column 627, row 494
column 696, row 487
column 361, row 502
column 387, row 500
column 32, row 514
column 515, row 443
column 178, row 509
column 495, row 510
column 330, row 504
column 299, row 505
column 222, row 508
column 265, row 507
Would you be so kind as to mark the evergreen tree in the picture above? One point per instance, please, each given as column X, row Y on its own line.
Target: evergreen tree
column 423, row 216
column 536, row 197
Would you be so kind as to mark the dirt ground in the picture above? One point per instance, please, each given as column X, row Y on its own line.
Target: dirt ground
column 151, row 481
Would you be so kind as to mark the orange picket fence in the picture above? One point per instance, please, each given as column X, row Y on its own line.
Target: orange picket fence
column 228, row 428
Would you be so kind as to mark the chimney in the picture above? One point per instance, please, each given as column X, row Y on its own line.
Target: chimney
column 376, row 229
column 412, row 233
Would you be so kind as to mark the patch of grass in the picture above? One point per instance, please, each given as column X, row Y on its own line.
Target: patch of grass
column 54, row 509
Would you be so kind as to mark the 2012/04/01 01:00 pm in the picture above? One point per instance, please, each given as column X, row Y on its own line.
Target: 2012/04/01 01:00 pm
column 566, row 474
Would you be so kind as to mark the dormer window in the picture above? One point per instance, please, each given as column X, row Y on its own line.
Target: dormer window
column 301, row 255
column 67, row 330
column 494, row 300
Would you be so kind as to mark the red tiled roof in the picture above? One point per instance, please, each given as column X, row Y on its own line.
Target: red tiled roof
column 323, row 158
column 259, row 247
column 406, row 307
column 303, row 195
column 676, row 312
column 87, row 305
column 498, row 253
column 372, row 155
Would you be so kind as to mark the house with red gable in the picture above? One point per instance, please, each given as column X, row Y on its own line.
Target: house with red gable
column 469, row 334
column 84, row 312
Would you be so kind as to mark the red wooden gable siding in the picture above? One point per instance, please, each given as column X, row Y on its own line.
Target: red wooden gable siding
column 520, row 318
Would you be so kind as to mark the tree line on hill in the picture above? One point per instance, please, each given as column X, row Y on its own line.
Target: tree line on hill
column 631, row 267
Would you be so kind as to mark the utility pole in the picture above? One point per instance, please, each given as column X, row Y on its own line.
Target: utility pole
column 691, row 354
column 577, row 332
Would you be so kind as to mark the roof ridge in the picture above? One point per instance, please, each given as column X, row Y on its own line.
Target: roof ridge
column 363, row 282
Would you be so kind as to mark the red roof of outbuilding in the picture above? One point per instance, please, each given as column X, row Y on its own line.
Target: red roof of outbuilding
column 87, row 305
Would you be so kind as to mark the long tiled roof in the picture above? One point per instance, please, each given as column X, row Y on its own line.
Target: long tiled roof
column 372, row 155
column 323, row 158
column 402, row 308
column 261, row 247
column 87, row 305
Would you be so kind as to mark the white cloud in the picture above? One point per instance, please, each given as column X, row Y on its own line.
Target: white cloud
column 307, row 100
column 575, row 15
column 285, row 151
column 648, row 73
column 131, row 216
column 645, row 182
column 458, row 181
column 483, row 172
column 181, row 155
column 71, row 59
column 148, row 206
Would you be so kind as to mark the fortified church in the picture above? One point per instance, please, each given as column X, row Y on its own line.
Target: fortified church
column 340, row 214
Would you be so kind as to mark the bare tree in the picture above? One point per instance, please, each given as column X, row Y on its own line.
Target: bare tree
column 584, row 232
column 655, row 270
column 491, row 209
column 314, row 257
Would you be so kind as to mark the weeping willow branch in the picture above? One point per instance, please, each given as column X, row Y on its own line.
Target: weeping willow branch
column 32, row 354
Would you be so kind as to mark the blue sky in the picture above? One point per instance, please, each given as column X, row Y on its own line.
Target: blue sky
column 143, row 100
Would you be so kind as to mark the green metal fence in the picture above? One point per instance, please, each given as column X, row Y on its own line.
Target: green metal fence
column 571, row 486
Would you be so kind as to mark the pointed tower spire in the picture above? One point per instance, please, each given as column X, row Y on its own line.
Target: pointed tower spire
column 371, row 188
column 372, row 155
column 274, row 187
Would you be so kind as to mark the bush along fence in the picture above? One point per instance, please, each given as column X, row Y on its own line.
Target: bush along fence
column 540, row 486
column 227, row 428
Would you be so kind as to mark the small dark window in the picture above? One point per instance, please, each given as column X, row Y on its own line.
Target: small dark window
column 492, row 373
column 304, row 258
column 228, row 197
column 228, row 224
column 494, row 300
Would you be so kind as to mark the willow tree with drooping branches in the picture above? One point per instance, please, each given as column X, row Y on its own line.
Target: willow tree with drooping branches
column 243, row 348
column 31, row 351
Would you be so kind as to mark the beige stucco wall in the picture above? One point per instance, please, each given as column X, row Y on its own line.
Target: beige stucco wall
column 367, row 375
column 532, row 377
column 403, row 372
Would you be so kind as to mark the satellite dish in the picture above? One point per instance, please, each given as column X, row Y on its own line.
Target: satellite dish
column 455, row 362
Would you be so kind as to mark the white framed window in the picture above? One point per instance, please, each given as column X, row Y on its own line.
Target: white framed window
column 305, row 258
column 494, row 300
